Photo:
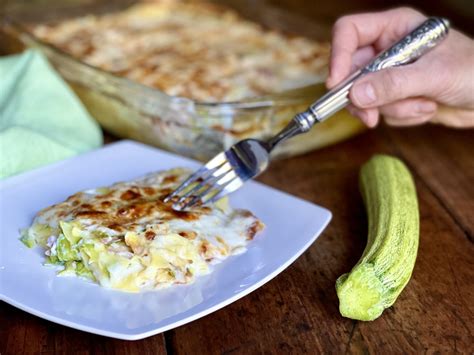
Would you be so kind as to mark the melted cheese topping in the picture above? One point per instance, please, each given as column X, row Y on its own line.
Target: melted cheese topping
column 125, row 237
column 193, row 49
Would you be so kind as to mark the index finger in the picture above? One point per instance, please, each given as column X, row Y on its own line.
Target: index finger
column 379, row 29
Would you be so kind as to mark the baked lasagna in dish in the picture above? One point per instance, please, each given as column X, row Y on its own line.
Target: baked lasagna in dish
column 192, row 49
column 124, row 237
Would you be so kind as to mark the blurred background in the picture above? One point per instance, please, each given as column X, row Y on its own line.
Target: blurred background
column 460, row 12
column 193, row 127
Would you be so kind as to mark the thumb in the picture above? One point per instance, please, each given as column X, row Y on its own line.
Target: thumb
column 389, row 85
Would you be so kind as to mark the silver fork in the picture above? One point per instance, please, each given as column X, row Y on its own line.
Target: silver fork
column 229, row 170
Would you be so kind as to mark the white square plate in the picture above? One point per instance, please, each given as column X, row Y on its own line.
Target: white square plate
column 292, row 226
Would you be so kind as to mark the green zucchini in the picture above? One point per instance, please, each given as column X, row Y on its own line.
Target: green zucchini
column 388, row 260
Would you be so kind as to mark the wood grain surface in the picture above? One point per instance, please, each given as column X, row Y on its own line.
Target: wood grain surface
column 297, row 312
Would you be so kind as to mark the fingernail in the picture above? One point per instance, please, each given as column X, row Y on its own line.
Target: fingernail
column 425, row 107
column 364, row 94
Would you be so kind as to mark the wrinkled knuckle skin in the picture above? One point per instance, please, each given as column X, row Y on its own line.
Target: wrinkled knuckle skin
column 445, row 83
column 392, row 86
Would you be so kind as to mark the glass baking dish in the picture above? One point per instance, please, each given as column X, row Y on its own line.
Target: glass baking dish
column 195, row 129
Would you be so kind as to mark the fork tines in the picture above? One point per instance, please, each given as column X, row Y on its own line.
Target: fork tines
column 208, row 184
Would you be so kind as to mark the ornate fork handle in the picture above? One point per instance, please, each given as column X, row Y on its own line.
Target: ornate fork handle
column 412, row 46
column 408, row 49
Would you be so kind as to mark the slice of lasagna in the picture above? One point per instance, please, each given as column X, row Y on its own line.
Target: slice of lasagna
column 125, row 237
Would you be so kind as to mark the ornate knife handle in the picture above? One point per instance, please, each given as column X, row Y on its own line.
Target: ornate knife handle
column 408, row 49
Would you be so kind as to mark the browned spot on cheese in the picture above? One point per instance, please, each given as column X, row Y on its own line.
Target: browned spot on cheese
column 245, row 213
column 204, row 247
column 86, row 205
column 75, row 202
column 122, row 212
column 90, row 214
column 106, row 195
column 188, row 234
column 130, row 195
column 184, row 215
column 150, row 191
column 254, row 228
column 170, row 179
column 150, row 235
column 106, row 204
column 115, row 227
column 134, row 210
column 164, row 193
column 144, row 208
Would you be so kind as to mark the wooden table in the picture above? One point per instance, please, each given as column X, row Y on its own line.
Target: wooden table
column 297, row 312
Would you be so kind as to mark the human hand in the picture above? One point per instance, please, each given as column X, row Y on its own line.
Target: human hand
column 439, row 87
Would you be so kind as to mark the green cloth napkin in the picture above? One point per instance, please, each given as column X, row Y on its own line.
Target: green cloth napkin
column 41, row 120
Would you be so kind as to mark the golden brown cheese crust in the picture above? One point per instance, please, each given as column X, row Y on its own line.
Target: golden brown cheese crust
column 125, row 237
column 132, row 206
column 118, row 207
column 192, row 49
